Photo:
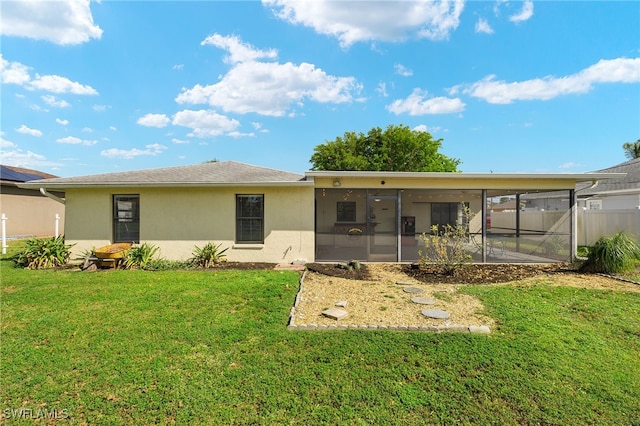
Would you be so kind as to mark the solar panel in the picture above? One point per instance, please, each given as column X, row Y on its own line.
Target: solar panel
column 8, row 174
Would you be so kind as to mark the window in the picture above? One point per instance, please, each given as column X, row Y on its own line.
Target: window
column 594, row 204
column 346, row 211
column 250, row 219
column 126, row 218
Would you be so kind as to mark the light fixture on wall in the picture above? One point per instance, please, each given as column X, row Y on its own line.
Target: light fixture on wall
column 336, row 182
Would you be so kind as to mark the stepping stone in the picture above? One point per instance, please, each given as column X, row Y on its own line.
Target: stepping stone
column 479, row 329
column 413, row 290
column 436, row 313
column 334, row 313
column 341, row 304
column 423, row 300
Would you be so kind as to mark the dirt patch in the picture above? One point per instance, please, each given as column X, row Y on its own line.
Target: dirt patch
column 374, row 298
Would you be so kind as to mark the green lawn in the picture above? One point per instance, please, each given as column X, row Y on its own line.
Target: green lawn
column 194, row 347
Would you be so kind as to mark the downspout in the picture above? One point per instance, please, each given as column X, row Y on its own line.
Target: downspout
column 44, row 192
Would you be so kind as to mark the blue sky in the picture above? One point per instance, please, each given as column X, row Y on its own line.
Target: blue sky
column 98, row 87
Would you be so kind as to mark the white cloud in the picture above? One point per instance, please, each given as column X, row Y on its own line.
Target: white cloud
column 100, row 108
column 271, row 88
column 17, row 73
column 353, row 21
column 30, row 160
column 258, row 126
column 418, row 104
column 237, row 134
column 76, row 141
column 420, row 128
column 482, row 26
column 238, row 51
column 382, row 89
column 51, row 100
column 62, row 122
column 205, row 123
column 87, row 130
column 128, row 154
column 60, row 22
column 28, row 131
column 57, row 84
column 113, row 128
column 179, row 141
column 402, row 70
column 13, row 72
column 178, row 67
column 5, row 143
column 154, row 120
column 620, row 70
column 525, row 14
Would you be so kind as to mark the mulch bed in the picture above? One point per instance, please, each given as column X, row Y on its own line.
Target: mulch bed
column 486, row 273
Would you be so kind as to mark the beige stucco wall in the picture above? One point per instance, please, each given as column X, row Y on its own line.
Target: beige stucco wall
column 440, row 183
column 30, row 214
column 178, row 219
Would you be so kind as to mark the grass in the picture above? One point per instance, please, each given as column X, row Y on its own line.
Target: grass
column 199, row 347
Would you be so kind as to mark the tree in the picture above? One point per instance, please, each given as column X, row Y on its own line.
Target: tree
column 397, row 148
column 631, row 149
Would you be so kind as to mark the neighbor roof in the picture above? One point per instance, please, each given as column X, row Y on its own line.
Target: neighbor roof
column 226, row 173
column 628, row 183
column 18, row 174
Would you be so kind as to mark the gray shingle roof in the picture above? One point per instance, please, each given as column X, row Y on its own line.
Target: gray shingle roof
column 216, row 173
column 629, row 183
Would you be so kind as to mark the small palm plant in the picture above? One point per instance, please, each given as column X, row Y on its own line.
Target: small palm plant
column 140, row 256
column 43, row 253
column 208, row 256
column 613, row 254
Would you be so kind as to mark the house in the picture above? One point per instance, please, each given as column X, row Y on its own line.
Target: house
column 611, row 205
column 613, row 194
column 28, row 212
column 266, row 215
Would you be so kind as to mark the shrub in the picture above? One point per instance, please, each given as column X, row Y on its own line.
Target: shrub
column 42, row 253
column 613, row 254
column 140, row 256
column 208, row 256
column 165, row 265
column 446, row 247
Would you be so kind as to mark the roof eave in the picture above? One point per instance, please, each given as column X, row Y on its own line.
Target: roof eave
column 578, row 177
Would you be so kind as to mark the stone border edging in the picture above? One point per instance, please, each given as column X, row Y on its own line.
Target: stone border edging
column 624, row 280
column 482, row 329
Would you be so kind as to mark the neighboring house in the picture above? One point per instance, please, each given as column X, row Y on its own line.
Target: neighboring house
column 610, row 206
column 266, row 215
column 613, row 194
column 28, row 212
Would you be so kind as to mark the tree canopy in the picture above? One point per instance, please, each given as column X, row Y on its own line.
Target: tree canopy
column 397, row 148
column 631, row 149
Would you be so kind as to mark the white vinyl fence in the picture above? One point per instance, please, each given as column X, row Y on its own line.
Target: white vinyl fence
column 593, row 224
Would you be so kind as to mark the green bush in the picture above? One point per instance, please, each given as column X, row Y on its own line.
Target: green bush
column 613, row 254
column 446, row 246
column 43, row 253
column 208, row 256
column 140, row 256
column 165, row 265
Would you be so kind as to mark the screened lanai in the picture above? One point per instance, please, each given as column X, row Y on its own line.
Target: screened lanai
column 390, row 216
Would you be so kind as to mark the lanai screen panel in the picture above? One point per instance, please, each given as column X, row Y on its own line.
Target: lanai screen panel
column 528, row 226
column 341, row 224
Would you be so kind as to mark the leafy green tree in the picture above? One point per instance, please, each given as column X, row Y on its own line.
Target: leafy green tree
column 398, row 148
column 631, row 149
